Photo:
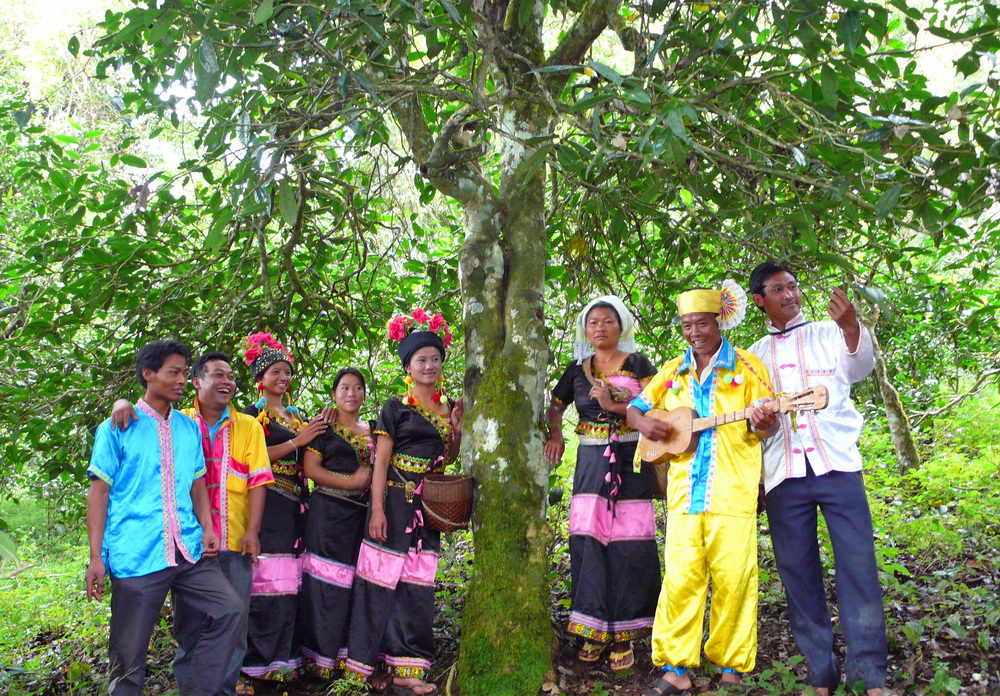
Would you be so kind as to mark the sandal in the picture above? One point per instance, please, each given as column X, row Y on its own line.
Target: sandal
column 244, row 686
column 410, row 689
column 621, row 661
column 661, row 687
column 590, row 652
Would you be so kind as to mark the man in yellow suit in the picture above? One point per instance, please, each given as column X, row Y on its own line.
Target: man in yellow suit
column 711, row 495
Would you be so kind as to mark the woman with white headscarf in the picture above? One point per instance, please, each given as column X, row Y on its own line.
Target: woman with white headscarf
column 613, row 555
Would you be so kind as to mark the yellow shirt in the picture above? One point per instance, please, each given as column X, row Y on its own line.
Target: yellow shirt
column 240, row 445
column 722, row 475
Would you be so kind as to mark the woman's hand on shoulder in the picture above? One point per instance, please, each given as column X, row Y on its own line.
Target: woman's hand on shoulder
column 317, row 426
column 457, row 412
column 329, row 414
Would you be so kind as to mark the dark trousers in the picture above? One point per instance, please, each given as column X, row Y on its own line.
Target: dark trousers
column 791, row 513
column 239, row 572
column 204, row 596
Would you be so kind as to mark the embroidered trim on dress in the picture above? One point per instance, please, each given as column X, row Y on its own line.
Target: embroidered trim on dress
column 601, row 430
column 414, row 465
column 440, row 423
column 358, row 442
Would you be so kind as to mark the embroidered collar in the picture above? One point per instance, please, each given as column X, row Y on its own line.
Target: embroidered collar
column 725, row 358
column 150, row 411
column 440, row 423
column 360, row 443
column 223, row 417
column 795, row 323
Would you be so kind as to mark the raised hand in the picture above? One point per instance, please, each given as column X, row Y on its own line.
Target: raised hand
column 842, row 311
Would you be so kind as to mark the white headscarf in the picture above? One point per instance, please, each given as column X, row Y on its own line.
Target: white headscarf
column 626, row 342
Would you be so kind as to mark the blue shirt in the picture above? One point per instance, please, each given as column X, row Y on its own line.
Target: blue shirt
column 150, row 468
column 213, row 430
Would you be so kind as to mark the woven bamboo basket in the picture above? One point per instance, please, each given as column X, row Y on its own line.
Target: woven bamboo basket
column 447, row 500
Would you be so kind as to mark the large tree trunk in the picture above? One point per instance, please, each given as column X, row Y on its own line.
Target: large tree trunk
column 899, row 424
column 506, row 629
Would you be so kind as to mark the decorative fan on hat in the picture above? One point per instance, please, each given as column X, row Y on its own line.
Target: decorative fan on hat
column 734, row 305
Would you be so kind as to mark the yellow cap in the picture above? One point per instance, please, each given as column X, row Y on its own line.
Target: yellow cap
column 694, row 301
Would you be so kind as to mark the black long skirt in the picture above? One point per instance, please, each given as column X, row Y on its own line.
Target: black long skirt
column 392, row 616
column 333, row 536
column 613, row 554
column 273, row 650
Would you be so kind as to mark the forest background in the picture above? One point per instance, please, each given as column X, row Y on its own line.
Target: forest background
column 206, row 169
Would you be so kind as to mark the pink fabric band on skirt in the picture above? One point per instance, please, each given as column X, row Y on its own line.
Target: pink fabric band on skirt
column 420, row 568
column 628, row 520
column 277, row 575
column 328, row 571
column 379, row 565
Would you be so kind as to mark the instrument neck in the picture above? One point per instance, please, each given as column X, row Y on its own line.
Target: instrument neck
column 706, row 422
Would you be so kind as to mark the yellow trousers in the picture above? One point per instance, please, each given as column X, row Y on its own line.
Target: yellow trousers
column 698, row 546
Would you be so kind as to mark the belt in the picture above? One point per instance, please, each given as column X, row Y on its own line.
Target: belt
column 625, row 437
column 348, row 496
column 408, row 488
column 338, row 492
column 285, row 494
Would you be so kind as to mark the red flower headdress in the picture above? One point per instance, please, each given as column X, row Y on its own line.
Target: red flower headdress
column 402, row 326
column 262, row 342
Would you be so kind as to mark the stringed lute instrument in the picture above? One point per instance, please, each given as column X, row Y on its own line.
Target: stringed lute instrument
column 686, row 425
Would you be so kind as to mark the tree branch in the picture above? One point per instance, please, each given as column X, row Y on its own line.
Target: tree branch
column 593, row 19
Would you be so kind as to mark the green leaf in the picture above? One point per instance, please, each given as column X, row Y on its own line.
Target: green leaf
column 849, row 30
column 209, row 59
column 264, row 12
column 22, row 116
column 524, row 12
column 607, row 72
column 452, row 12
column 217, row 232
column 287, row 204
column 591, row 100
column 877, row 296
column 830, row 84
column 133, row 161
column 888, row 201
column 73, row 46
column 8, row 549
column 534, row 161
column 675, row 121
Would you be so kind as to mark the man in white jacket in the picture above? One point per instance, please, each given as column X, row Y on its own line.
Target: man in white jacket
column 813, row 464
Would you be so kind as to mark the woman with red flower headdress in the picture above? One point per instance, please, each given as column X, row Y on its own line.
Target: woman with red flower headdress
column 273, row 651
column 417, row 433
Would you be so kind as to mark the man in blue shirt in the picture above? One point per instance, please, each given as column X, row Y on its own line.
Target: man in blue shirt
column 149, row 527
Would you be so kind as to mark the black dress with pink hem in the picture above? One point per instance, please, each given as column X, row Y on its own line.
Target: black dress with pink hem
column 614, row 560
column 392, row 617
